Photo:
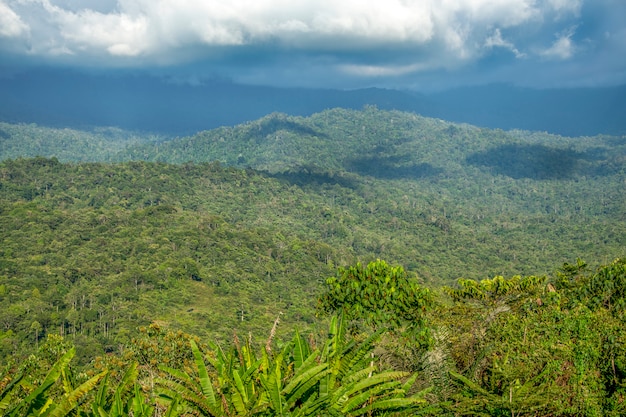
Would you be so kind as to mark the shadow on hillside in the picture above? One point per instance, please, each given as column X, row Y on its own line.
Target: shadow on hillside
column 310, row 176
column 4, row 134
column 538, row 162
column 391, row 167
column 274, row 125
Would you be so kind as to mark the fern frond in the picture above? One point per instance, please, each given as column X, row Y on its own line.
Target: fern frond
column 358, row 352
column 299, row 385
column 384, row 377
column 177, row 374
column 472, row 385
column 358, row 375
column 175, row 389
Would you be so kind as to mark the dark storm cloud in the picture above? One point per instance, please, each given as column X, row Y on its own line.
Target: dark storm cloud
column 347, row 43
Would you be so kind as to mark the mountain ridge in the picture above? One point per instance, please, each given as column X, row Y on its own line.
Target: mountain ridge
column 159, row 105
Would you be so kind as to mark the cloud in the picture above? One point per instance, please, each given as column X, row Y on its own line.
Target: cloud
column 155, row 26
column 90, row 32
column 383, row 70
column 563, row 48
column 369, row 39
column 11, row 25
column 566, row 7
column 496, row 40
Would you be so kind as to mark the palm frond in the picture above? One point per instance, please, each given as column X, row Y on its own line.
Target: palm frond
column 37, row 399
column 205, row 381
column 71, row 400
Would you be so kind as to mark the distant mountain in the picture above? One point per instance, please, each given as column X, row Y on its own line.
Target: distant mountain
column 149, row 103
column 387, row 145
column 569, row 112
column 96, row 144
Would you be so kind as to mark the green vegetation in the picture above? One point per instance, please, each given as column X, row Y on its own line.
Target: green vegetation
column 108, row 268
column 98, row 144
column 378, row 294
column 522, row 346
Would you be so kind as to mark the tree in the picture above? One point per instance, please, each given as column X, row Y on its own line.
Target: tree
column 607, row 288
column 379, row 294
column 37, row 328
column 499, row 291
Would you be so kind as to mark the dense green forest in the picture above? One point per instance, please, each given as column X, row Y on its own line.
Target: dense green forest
column 96, row 144
column 230, row 229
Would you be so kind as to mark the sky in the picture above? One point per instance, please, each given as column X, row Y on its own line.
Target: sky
column 404, row 44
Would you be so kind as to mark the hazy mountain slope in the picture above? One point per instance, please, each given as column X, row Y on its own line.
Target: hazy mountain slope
column 98, row 144
column 517, row 188
column 475, row 182
column 145, row 102
column 390, row 144
column 95, row 250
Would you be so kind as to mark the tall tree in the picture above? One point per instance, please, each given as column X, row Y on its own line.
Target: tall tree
column 378, row 294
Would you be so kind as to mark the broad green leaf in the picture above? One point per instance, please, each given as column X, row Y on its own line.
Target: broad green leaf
column 365, row 395
column 301, row 350
column 303, row 377
column 37, row 399
column 70, row 401
column 139, row 406
column 205, row 381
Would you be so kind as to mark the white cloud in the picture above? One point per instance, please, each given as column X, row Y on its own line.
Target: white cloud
column 563, row 48
column 153, row 26
column 384, row 70
column 503, row 13
column 566, row 7
column 365, row 38
column 11, row 25
column 91, row 31
column 496, row 40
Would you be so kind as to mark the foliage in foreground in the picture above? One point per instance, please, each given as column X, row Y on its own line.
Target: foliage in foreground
column 339, row 377
column 519, row 346
column 528, row 346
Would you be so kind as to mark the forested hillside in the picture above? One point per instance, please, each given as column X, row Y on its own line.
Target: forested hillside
column 523, row 194
column 97, row 144
column 229, row 229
